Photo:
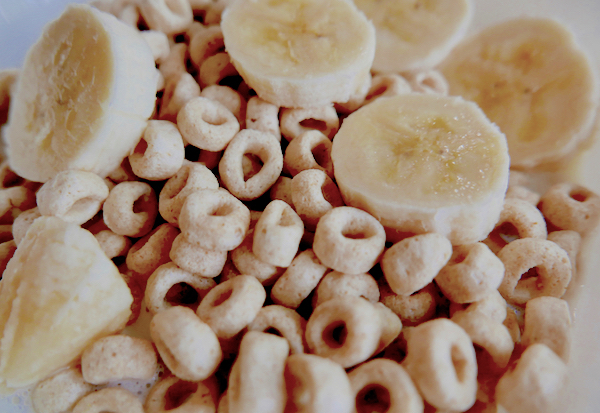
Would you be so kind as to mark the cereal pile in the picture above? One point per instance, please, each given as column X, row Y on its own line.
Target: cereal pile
column 269, row 289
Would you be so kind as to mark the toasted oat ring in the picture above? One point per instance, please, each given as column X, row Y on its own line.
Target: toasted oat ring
column 298, row 280
column 343, row 329
column 524, row 193
column 207, row 124
column 186, row 344
column 130, row 209
column 264, row 146
column 118, row 357
column 568, row 240
column 282, row 190
column 263, row 116
column 178, row 90
column 230, row 98
column 391, row 326
column 277, row 234
column 314, row 194
column 22, row 222
column 413, row 309
column 112, row 244
column 491, row 335
column 256, row 381
column 111, row 399
column 338, row 284
column 492, row 305
column 216, row 68
column 316, row 384
column 232, row 305
column 164, row 278
column 175, row 63
column 349, row 240
column 441, row 361
column 472, row 273
column 197, row 260
column 247, row 262
column 427, row 81
column 73, row 196
column 205, row 43
column 295, row 121
column 13, row 201
column 159, row 44
column 171, row 391
column 7, row 250
column 552, row 264
column 357, row 98
column 388, row 84
column 214, row 219
column 190, row 178
column 385, row 385
column 548, row 321
column 571, row 206
column 310, row 150
column 59, row 392
column 168, row 16
column 284, row 322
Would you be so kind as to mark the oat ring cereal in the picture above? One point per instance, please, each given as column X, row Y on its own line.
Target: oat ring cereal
column 168, row 16
column 216, row 68
column 344, row 330
column 337, row 284
column 111, row 399
column 60, row 391
column 230, row 98
column 412, row 309
column 427, row 81
column 310, row 150
column 130, row 209
column 282, row 321
column 384, row 384
column 263, row 116
column 168, row 391
column 551, row 276
column 164, row 278
column 195, row 259
column 349, row 240
column 151, row 251
column 571, row 206
column 214, row 219
column 246, row 262
column 492, row 305
column 179, row 89
column 73, row 196
column 260, row 144
column 295, row 121
column 441, row 361
column 206, row 42
column 22, row 222
column 548, row 321
column 388, row 84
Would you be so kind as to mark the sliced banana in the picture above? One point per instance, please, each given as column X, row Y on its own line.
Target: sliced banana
column 415, row 34
column 423, row 163
column 59, row 293
column 300, row 53
column 531, row 79
column 83, row 97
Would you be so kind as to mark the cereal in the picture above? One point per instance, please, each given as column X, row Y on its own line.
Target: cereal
column 263, row 116
column 282, row 190
column 168, row 16
column 391, row 326
column 412, row 309
column 178, row 90
column 205, row 43
column 427, row 81
column 313, row 195
column 570, row 206
column 284, row 322
column 492, row 305
column 338, row 284
column 568, row 240
column 246, row 262
column 195, row 259
column 216, row 68
column 158, row 42
column 387, row 85
column 310, row 150
column 294, row 122
column 175, row 63
column 59, row 392
column 112, row 244
column 548, row 321
column 22, row 222
column 130, row 209
column 186, row 396
column 112, row 399
column 524, row 193
column 13, row 201
column 230, row 98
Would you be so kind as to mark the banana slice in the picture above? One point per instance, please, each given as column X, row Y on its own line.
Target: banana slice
column 300, row 53
column 59, row 293
column 423, row 163
column 531, row 79
column 415, row 34
column 83, row 97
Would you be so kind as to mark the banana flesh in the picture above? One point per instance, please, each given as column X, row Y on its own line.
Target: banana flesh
column 423, row 163
column 531, row 79
column 82, row 100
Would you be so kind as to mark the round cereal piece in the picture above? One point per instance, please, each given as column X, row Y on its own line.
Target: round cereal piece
column 298, row 280
column 112, row 244
column 118, row 357
column 412, row 309
column 206, row 42
column 492, row 305
column 73, row 196
column 314, row 194
column 339, row 284
column 571, row 206
column 391, row 326
column 524, row 193
column 59, row 392
column 263, row 116
column 137, row 292
column 22, row 223
column 277, row 234
column 195, row 259
column 7, row 250
column 122, row 173
column 151, row 251
column 472, row 273
column 256, row 381
column 232, row 305
column 349, row 240
column 548, row 321
column 186, row 344
column 490, row 335
column 130, row 209
column 511, row 322
column 427, row 81
column 384, row 385
column 295, row 121
column 283, row 322
column 247, row 262
column 310, row 150
column 214, row 219
column 568, row 240
column 176, row 62
column 345, row 330
column 387, row 85
column 441, row 361
column 216, row 68
column 260, row 144
column 411, row 264
column 13, row 201
column 188, row 397
column 165, row 278
column 317, row 385
column 178, row 90
column 282, row 190
column 190, row 178
column 111, row 399
column 536, row 384
column 159, row 44
column 230, row 98
column 518, row 219
column 533, row 268
column 207, row 124
column 8, row 177
column 168, row 16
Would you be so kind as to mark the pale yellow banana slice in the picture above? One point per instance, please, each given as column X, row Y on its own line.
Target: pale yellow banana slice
column 415, row 34
column 423, row 163
column 83, row 97
column 531, row 79
column 59, row 293
column 299, row 53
